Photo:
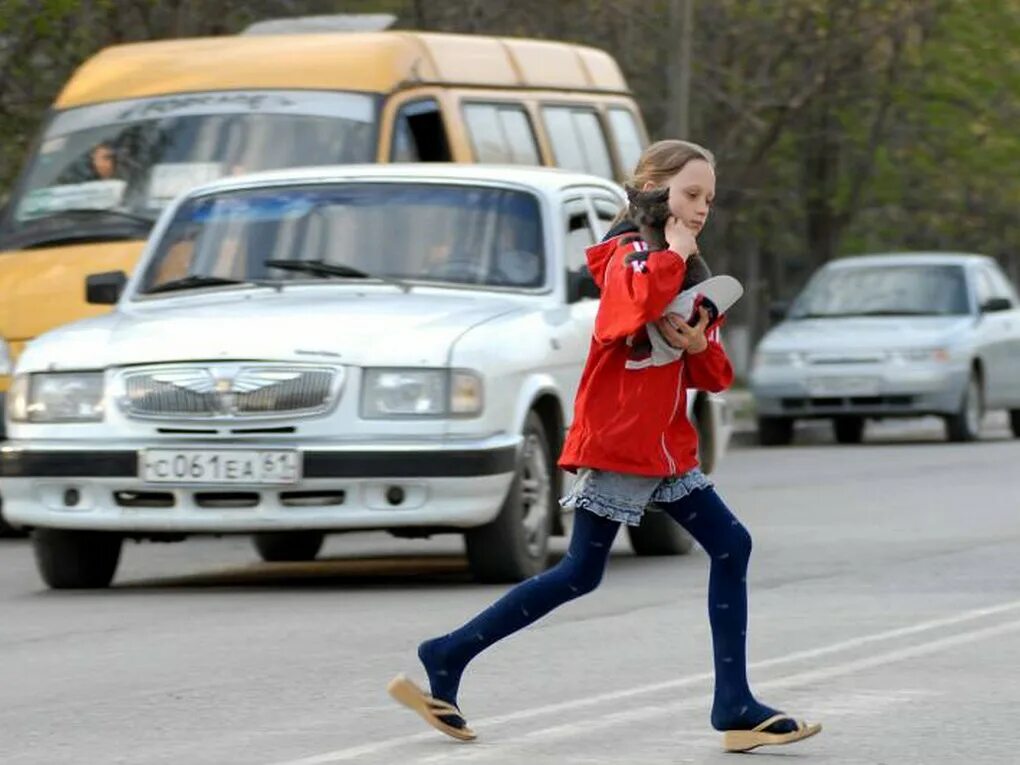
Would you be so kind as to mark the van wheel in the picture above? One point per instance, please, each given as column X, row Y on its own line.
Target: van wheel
column 775, row 431
column 965, row 425
column 1014, row 422
column 659, row 534
column 849, row 430
column 282, row 546
column 515, row 545
column 75, row 560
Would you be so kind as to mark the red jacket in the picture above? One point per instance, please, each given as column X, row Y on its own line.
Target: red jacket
column 629, row 417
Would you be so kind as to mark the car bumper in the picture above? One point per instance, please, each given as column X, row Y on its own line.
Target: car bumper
column 851, row 391
column 344, row 488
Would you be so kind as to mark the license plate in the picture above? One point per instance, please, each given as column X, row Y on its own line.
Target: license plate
column 220, row 466
column 843, row 386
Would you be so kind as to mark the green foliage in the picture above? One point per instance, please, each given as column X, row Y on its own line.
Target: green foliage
column 840, row 125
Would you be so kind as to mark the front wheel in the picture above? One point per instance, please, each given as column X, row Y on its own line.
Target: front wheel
column 659, row 534
column 515, row 545
column 849, row 430
column 74, row 560
column 775, row 431
column 965, row 425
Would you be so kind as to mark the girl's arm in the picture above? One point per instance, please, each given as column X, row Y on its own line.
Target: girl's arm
column 637, row 287
column 709, row 370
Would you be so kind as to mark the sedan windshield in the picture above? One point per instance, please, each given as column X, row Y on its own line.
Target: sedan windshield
column 393, row 233
column 106, row 170
column 900, row 290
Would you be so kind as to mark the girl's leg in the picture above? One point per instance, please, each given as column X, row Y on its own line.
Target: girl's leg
column 580, row 572
column 728, row 543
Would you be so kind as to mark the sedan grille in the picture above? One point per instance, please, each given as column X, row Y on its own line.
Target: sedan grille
column 227, row 392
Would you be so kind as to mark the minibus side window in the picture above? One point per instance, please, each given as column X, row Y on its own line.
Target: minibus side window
column 626, row 137
column 501, row 133
column 418, row 133
column 577, row 140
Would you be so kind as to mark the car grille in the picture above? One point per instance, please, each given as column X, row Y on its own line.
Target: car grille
column 228, row 392
column 848, row 403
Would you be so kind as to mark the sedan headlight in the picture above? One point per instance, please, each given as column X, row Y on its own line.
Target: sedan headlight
column 420, row 393
column 57, row 397
column 778, row 359
column 920, row 355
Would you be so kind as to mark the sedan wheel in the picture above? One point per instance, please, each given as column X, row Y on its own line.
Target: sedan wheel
column 965, row 425
column 515, row 545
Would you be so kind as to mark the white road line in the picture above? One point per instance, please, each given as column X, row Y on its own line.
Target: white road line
column 600, row 724
column 350, row 753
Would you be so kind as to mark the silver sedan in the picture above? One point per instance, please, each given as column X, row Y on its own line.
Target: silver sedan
column 897, row 335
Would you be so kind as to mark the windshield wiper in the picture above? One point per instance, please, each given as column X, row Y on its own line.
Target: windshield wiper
column 193, row 282
column 94, row 211
column 854, row 314
column 322, row 268
column 897, row 312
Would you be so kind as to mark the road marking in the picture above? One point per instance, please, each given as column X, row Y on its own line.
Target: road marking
column 600, row 724
column 350, row 753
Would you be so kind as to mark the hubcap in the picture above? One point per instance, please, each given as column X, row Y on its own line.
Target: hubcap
column 535, row 495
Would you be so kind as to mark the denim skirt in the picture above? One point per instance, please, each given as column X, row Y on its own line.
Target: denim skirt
column 621, row 497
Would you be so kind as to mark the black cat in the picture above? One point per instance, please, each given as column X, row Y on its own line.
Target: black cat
column 649, row 211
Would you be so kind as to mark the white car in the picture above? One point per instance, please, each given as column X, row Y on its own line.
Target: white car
column 894, row 335
column 329, row 349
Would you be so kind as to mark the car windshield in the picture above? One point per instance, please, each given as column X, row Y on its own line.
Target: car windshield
column 108, row 169
column 395, row 232
column 895, row 290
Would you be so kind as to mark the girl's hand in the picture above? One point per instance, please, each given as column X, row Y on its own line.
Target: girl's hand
column 682, row 335
column 680, row 238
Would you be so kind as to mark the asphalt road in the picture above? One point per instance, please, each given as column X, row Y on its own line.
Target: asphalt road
column 885, row 601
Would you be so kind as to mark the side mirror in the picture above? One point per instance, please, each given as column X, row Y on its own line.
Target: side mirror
column 104, row 288
column 778, row 310
column 996, row 304
column 581, row 285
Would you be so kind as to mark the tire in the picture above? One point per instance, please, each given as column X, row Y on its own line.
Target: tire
column 659, row 534
column 515, row 545
column 775, row 431
column 849, row 430
column 6, row 530
column 704, row 425
column 1014, row 422
column 288, row 546
column 76, row 560
column 965, row 424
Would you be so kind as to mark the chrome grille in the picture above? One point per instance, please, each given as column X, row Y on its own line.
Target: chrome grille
column 229, row 391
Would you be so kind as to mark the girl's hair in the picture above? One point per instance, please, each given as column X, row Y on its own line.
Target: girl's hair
column 660, row 162
column 664, row 159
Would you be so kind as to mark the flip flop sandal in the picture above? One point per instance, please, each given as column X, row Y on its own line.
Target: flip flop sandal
column 442, row 716
column 746, row 740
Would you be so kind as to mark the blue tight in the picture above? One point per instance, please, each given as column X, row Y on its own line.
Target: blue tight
column 716, row 529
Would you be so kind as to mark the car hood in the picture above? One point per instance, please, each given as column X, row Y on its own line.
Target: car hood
column 865, row 333
column 357, row 327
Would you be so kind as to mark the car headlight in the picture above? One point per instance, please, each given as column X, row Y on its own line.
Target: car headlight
column 57, row 397
column 6, row 367
column 420, row 393
column 920, row 355
column 778, row 359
